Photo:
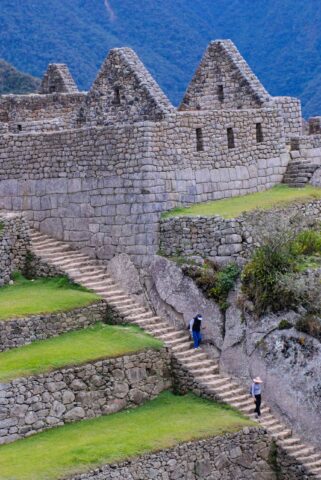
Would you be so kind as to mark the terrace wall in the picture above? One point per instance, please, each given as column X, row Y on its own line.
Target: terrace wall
column 21, row 331
column 244, row 456
column 215, row 236
column 30, row 405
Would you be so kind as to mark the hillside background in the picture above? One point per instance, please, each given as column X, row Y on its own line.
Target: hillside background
column 281, row 40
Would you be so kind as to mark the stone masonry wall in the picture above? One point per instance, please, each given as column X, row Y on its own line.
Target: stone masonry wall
column 40, row 113
column 242, row 455
column 215, row 236
column 14, row 244
column 21, row 331
column 103, row 189
column 30, row 405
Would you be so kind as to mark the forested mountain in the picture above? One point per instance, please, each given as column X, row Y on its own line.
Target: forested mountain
column 13, row 81
column 280, row 39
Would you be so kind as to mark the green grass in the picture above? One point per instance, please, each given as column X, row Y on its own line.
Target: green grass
column 279, row 195
column 73, row 348
column 159, row 424
column 45, row 295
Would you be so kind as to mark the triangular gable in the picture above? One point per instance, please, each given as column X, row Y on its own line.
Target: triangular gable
column 58, row 79
column 124, row 91
column 224, row 80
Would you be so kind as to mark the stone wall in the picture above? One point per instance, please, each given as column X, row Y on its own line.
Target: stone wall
column 14, row 244
column 30, row 113
column 103, row 189
column 290, row 109
column 30, row 405
column 243, row 456
column 21, row 331
column 218, row 237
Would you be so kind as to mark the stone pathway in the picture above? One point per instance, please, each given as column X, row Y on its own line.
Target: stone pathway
column 205, row 371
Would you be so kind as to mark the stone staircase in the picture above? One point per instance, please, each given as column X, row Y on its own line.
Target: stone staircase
column 299, row 171
column 203, row 370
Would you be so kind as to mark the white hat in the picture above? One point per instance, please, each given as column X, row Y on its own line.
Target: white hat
column 257, row 380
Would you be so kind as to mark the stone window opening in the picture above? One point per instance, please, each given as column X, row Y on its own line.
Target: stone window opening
column 117, row 96
column 220, row 93
column 19, row 127
column 230, row 138
column 259, row 133
column 199, row 140
column 52, row 88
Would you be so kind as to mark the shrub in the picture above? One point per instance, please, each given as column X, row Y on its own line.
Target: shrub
column 307, row 242
column 310, row 324
column 213, row 282
column 261, row 276
column 284, row 325
column 224, row 282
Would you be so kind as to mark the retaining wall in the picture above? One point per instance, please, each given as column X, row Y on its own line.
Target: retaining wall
column 218, row 237
column 30, row 405
column 21, row 331
column 243, row 456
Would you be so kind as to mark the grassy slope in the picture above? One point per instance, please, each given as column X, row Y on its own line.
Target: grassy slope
column 73, row 348
column 42, row 296
column 233, row 207
column 159, row 424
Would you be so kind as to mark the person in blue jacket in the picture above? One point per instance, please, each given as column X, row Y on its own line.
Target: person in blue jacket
column 256, row 392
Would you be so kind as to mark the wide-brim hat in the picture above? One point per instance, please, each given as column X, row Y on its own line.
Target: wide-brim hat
column 257, row 380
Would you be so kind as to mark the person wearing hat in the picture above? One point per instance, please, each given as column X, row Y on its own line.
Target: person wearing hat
column 195, row 326
column 256, row 392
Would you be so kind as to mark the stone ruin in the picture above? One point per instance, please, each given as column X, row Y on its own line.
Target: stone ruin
column 98, row 168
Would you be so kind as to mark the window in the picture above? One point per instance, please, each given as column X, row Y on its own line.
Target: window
column 19, row 127
column 220, row 93
column 259, row 133
column 199, row 140
column 230, row 138
column 52, row 88
column 117, row 96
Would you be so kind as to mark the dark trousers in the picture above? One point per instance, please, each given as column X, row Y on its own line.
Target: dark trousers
column 197, row 337
column 258, row 400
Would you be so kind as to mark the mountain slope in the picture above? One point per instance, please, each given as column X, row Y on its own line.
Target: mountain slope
column 280, row 40
column 13, row 81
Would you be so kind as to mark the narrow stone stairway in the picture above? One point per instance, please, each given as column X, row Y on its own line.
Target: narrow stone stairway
column 299, row 171
column 204, row 371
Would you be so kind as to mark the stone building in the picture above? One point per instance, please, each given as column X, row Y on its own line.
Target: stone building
column 98, row 168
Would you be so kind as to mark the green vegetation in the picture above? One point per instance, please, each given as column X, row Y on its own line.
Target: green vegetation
column 159, row 424
column 73, row 348
column 44, row 295
column 279, row 195
column 284, row 325
column 13, row 81
column 272, row 279
column 215, row 282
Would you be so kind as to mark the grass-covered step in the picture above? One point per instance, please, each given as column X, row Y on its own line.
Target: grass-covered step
column 280, row 195
column 159, row 424
column 73, row 348
column 45, row 295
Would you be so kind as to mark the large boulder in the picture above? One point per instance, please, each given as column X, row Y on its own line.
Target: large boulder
column 122, row 269
column 177, row 298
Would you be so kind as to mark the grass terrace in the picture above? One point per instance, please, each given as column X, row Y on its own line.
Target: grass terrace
column 45, row 295
column 73, row 348
column 280, row 195
column 74, row 448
